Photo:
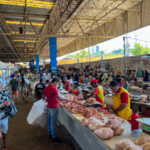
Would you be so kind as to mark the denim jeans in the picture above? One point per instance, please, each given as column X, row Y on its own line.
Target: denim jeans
column 51, row 121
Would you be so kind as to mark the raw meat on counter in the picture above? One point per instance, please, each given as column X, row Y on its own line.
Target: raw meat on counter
column 89, row 112
column 142, row 140
column 142, row 143
column 123, row 144
column 70, row 97
column 102, row 122
column 105, row 133
column 133, row 147
column 114, row 122
column 91, row 100
column 146, row 146
column 118, row 131
column 93, row 124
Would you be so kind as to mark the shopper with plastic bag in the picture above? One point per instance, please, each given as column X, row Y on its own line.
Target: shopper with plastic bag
column 51, row 94
column 38, row 113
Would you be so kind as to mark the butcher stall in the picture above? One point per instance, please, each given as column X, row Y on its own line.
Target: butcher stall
column 95, row 129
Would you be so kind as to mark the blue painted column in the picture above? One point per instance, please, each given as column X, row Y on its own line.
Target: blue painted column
column 37, row 63
column 53, row 54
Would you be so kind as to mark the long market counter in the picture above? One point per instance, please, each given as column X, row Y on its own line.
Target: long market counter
column 84, row 137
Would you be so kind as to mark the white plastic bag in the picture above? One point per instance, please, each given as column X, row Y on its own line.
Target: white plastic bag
column 38, row 114
column 33, row 84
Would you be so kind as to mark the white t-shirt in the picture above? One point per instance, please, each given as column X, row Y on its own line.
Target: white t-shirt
column 79, row 89
column 27, row 81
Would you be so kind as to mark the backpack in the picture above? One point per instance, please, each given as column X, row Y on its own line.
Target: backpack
column 11, row 110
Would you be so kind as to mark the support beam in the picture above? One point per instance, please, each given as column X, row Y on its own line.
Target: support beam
column 89, row 18
column 57, row 21
column 58, row 17
column 8, row 42
column 18, row 53
column 121, row 24
column 15, row 14
column 58, row 36
column 10, row 38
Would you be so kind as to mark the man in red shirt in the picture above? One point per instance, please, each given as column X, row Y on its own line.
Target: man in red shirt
column 67, row 85
column 51, row 93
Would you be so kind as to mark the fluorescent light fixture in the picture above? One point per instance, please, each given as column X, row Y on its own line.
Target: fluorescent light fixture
column 30, row 3
column 23, row 23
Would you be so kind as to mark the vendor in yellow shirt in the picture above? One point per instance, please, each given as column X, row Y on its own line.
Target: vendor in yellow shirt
column 121, row 101
column 98, row 92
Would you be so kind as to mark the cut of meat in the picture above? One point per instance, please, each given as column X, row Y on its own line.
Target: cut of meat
column 104, row 133
column 95, row 124
column 91, row 100
column 85, row 122
column 89, row 112
column 118, row 131
column 123, row 144
column 146, row 146
column 142, row 140
column 133, row 147
column 114, row 122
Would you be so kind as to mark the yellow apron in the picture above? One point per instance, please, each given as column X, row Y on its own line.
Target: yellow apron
column 126, row 112
column 100, row 96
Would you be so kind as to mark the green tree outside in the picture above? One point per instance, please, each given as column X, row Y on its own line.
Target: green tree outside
column 139, row 49
column 81, row 54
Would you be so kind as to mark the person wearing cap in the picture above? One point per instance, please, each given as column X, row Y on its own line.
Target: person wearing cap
column 98, row 92
column 77, row 90
column 121, row 101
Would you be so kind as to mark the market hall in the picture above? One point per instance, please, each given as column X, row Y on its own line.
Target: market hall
column 101, row 104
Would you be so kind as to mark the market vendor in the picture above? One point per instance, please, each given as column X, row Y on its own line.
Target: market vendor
column 121, row 101
column 98, row 92
column 77, row 90
column 67, row 84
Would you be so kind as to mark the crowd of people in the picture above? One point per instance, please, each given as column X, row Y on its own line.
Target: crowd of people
column 47, row 86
